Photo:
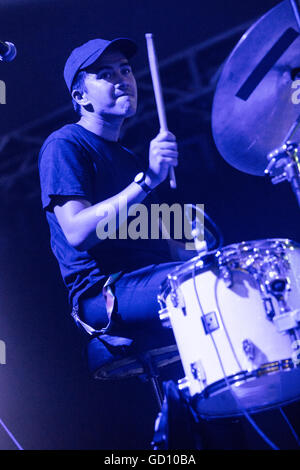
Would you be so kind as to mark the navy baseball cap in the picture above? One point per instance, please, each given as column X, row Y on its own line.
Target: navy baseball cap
column 89, row 52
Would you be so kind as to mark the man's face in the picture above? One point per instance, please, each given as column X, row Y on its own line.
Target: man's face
column 110, row 86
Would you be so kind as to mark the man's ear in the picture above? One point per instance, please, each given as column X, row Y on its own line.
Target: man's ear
column 80, row 98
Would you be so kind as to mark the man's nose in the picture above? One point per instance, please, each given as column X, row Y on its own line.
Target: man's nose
column 121, row 84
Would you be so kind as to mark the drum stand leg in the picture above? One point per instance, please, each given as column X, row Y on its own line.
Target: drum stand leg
column 152, row 376
column 157, row 391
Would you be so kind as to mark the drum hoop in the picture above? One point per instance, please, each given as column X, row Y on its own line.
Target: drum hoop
column 200, row 263
column 244, row 376
column 183, row 273
column 283, row 366
column 259, row 243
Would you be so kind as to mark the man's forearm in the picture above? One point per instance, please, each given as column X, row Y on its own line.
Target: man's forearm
column 90, row 221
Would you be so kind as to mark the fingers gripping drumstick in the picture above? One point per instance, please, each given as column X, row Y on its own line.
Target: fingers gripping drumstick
column 158, row 95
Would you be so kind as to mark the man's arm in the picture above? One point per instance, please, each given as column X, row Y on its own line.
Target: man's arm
column 79, row 219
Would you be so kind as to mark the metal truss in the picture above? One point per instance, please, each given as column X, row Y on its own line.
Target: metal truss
column 188, row 78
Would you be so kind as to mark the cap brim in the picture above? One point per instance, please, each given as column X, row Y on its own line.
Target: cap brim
column 125, row 45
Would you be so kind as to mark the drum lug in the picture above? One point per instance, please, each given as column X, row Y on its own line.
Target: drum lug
column 198, row 372
column 249, row 349
column 269, row 309
column 183, row 384
column 176, row 295
column 164, row 317
column 255, row 356
column 226, row 275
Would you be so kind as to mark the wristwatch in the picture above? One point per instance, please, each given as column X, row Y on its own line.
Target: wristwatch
column 140, row 179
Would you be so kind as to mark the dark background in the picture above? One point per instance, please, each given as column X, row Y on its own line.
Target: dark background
column 47, row 397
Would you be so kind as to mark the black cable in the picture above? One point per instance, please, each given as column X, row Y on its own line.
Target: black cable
column 10, row 435
column 219, row 239
column 290, row 426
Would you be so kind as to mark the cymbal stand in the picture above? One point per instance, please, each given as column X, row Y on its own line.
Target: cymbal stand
column 284, row 165
column 284, row 161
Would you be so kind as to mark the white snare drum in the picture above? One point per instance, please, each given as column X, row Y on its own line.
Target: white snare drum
column 235, row 314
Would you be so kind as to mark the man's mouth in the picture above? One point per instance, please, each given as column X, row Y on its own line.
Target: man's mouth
column 125, row 93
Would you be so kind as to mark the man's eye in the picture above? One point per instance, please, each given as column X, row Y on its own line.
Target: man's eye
column 104, row 75
column 126, row 70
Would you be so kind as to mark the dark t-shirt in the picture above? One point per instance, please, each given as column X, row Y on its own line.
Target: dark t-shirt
column 76, row 162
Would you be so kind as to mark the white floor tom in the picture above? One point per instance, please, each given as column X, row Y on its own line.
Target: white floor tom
column 235, row 314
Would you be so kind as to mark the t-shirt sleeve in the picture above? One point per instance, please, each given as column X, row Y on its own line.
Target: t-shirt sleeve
column 65, row 170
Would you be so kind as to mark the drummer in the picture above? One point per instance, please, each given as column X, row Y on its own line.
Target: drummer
column 84, row 169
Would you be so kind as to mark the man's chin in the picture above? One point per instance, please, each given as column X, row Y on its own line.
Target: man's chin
column 127, row 106
column 128, row 111
column 125, row 111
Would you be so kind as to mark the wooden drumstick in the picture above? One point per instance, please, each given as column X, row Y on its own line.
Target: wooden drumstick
column 158, row 95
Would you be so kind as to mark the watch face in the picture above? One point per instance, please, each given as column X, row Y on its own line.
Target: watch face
column 139, row 177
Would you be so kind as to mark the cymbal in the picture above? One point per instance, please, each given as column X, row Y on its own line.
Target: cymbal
column 255, row 106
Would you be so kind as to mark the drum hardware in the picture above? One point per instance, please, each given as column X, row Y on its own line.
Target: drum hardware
column 267, row 268
column 183, row 384
column 242, row 377
column 285, row 322
column 249, row 349
column 254, row 355
column 296, row 352
column 268, row 306
column 272, row 282
column 267, row 301
column 164, row 317
column 176, row 294
column 226, row 275
column 177, row 300
column 210, row 322
column 284, row 165
column 276, row 287
column 198, row 372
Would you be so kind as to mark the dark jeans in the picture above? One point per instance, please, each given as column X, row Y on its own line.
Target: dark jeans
column 137, row 312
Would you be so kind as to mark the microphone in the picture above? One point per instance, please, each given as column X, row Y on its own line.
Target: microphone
column 8, row 51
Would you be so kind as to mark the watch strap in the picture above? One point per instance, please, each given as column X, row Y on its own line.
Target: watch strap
column 143, row 185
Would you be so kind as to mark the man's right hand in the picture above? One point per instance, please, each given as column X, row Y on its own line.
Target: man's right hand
column 163, row 154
